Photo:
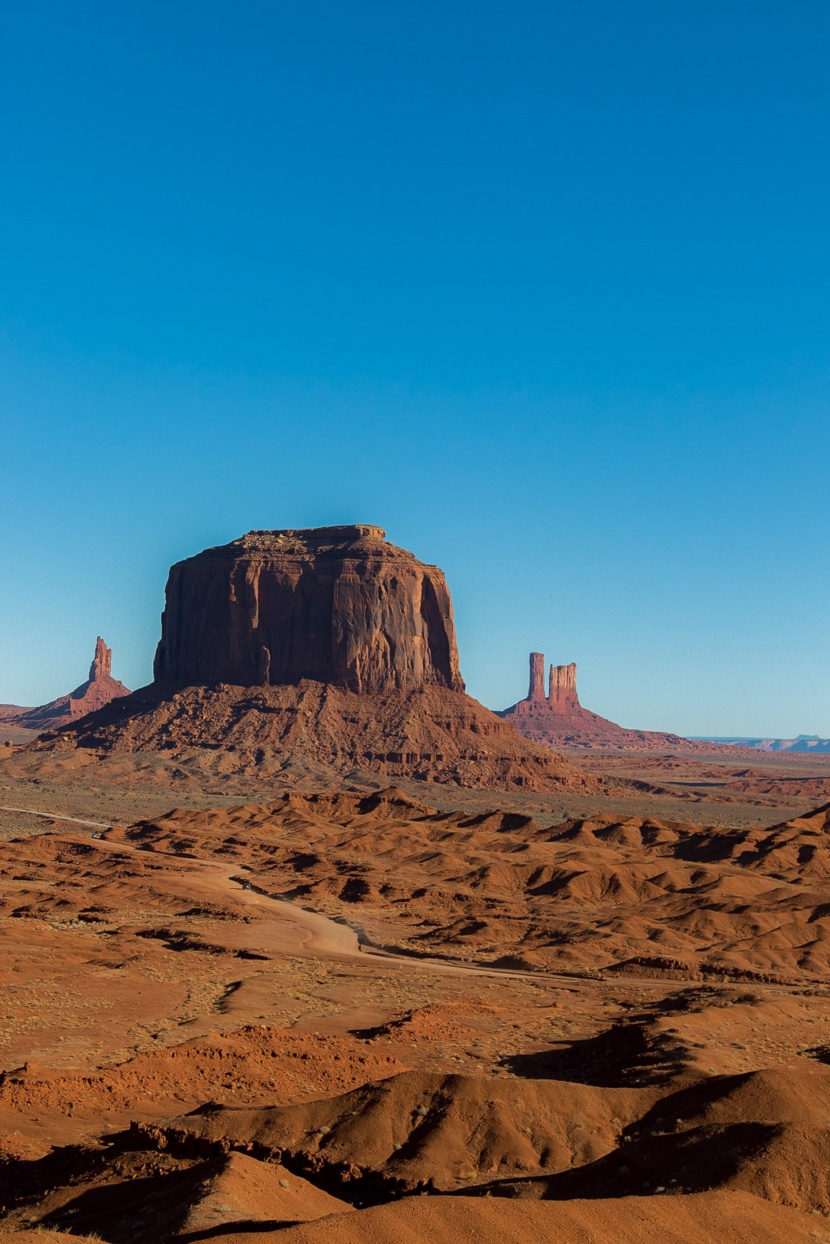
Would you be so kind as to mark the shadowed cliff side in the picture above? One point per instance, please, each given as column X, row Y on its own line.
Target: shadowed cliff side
column 338, row 605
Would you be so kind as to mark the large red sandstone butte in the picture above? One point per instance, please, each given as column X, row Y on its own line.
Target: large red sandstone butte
column 338, row 605
column 99, row 689
column 314, row 653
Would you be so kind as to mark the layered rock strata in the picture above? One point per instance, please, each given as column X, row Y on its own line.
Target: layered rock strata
column 338, row 605
column 99, row 690
column 536, row 691
column 562, row 687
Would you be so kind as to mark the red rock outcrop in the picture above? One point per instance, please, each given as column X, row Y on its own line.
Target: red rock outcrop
column 536, row 691
column 99, row 689
column 308, row 655
column 338, row 605
column 559, row 720
column 562, row 687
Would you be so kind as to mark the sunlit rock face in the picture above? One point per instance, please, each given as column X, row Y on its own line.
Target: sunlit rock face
column 338, row 605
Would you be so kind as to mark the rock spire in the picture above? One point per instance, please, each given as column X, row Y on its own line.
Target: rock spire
column 562, row 687
column 536, row 692
column 98, row 690
column 559, row 720
column 101, row 666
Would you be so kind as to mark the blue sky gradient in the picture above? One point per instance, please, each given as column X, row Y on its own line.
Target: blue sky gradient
column 543, row 289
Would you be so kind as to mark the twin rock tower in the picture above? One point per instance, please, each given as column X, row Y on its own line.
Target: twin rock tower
column 561, row 694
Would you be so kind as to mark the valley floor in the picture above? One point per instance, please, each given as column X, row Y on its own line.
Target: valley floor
column 417, row 1013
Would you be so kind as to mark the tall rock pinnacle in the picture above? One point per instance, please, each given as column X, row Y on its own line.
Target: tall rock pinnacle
column 562, row 687
column 336, row 605
column 559, row 720
column 536, row 691
column 98, row 690
column 101, row 666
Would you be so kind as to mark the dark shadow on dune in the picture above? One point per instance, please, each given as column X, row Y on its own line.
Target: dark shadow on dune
column 151, row 1208
column 250, row 1227
column 693, row 1161
column 24, row 1178
column 627, row 1055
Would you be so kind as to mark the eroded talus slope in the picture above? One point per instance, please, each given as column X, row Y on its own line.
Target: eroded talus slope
column 421, row 1130
column 634, row 1095
column 764, row 1132
column 730, row 1218
column 309, row 732
column 135, row 1196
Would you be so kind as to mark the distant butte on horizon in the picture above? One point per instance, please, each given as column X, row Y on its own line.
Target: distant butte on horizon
column 99, row 689
column 557, row 718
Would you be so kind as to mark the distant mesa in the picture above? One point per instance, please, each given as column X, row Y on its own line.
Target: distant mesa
column 556, row 717
column 99, row 690
column 303, row 654
column 804, row 744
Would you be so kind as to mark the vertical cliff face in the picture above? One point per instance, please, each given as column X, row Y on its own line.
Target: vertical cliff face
column 338, row 605
column 562, row 687
column 101, row 666
column 536, row 691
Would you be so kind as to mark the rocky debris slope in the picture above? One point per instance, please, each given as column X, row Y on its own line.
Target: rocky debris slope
column 99, row 689
column 419, row 1130
column 764, row 1133
column 666, row 1077
column 728, row 1217
column 312, row 733
column 559, row 720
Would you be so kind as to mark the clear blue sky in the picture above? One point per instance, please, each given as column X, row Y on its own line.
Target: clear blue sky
column 542, row 288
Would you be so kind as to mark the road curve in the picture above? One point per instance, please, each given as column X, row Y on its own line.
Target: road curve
column 324, row 934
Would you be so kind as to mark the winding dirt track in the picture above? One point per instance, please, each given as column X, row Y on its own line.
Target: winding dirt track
column 57, row 816
column 299, row 928
column 318, row 934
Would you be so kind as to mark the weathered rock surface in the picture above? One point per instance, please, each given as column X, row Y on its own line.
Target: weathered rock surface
column 99, row 689
column 559, row 720
column 536, row 692
column 338, row 605
column 562, row 687
column 314, row 734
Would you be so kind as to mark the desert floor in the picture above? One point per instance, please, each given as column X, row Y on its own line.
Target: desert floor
column 418, row 1012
